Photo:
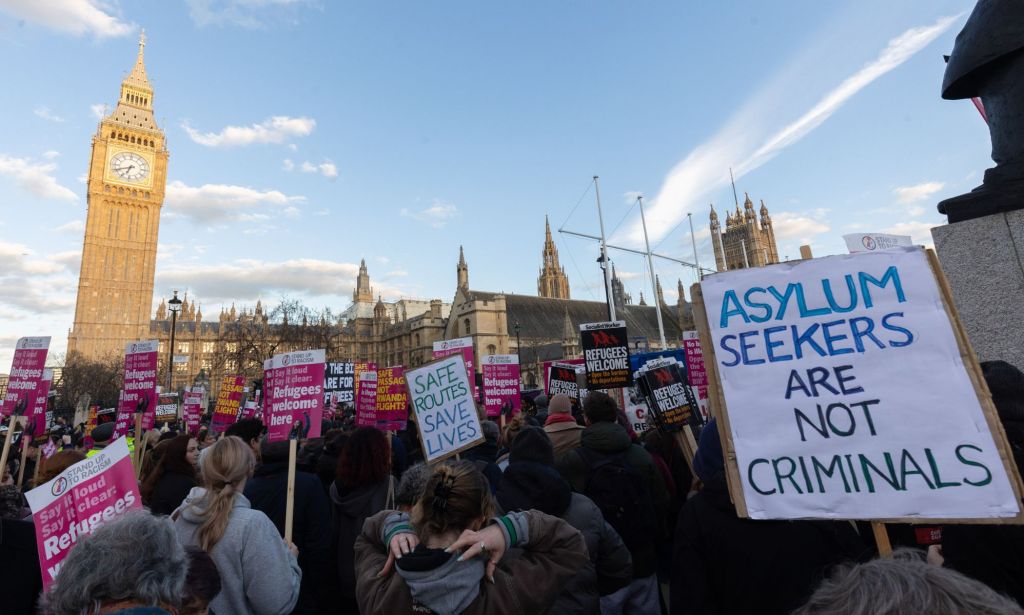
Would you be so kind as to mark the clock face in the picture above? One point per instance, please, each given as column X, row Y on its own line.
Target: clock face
column 129, row 166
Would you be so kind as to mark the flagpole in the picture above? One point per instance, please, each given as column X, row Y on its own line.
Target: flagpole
column 650, row 265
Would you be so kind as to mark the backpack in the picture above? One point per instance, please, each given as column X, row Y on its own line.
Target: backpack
column 623, row 496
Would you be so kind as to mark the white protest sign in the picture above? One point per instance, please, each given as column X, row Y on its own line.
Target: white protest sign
column 846, row 396
column 443, row 403
column 872, row 242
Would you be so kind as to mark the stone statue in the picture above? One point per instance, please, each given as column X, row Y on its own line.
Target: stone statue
column 988, row 62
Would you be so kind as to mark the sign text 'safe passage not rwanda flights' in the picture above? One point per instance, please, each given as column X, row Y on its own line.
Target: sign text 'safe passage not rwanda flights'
column 846, row 394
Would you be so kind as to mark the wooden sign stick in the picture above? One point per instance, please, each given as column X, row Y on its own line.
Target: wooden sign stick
column 289, row 510
column 24, row 457
column 882, row 538
column 15, row 420
column 39, row 463
column 142, row 457
column 688, row 444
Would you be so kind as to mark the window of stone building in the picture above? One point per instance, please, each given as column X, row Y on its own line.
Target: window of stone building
column 231, row 346
column 161, row 348
column 207, row 365
column 209, row 347
column 465, row 324
column 491, row 349
column 184, row 347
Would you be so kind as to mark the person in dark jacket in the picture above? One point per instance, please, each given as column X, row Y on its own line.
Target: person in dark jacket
column 541, row 404
column 174, row 476
column 994, row 554
column 531, row 482
column 725, row 564
column 363, row 487
column 605, row 439
column 267, row 491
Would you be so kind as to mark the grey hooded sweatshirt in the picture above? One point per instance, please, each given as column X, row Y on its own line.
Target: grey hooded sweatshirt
column 257, row 572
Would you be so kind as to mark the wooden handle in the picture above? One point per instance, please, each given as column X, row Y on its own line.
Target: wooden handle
column 289, row 511
column 882, row 538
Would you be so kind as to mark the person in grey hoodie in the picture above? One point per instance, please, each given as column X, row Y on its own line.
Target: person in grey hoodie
column 259, row 572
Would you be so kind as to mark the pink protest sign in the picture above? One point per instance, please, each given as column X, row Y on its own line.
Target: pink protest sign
column 297, row 394
column 696, row 373
column 83, row 497
column 463, row 346
column 501, row 383
column 229, row 399
column 123, row 420
column 392, row 399
column 366, row 399
column 249, row 410
column 36, row 425
column 140, row 381
column 26, row 372
column 192, row 412
column 360, row 368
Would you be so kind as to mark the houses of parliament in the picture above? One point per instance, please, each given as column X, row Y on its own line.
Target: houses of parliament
column 125, row 192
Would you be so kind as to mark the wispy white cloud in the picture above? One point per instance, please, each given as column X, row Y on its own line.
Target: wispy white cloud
column 288, row 165
column 437, row 215
column 216, row 203
column 76, row 17
column 325, row 168
column 796, row 226
column 46, row 114
column 277, row 129
column 73, row 227
column 252, row 14
column 744, row 144
column 917, row 192
column 98, row 110
column 35, row 177
column 920, row 232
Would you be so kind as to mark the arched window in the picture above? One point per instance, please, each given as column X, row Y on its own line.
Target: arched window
column 465, row 324
column 491, row 349
column 133, row 139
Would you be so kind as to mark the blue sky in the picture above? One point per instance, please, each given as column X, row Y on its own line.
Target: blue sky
column 305, row 135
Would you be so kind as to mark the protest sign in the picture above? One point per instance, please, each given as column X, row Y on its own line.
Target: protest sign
column 606, row 354
column 366, row 402
column 635, row 405
column 90, row 424
column 140, row 363
column 248, row 410
column 443, row 403
column 123, row 419
column 166, row 408
column 562, row 378
column 83, row 497
column 501, row 383
column 358, row 369
column 463, row 346
column 36, row 425
column 392, row 399
column 846, row 389
column 192, row 411
column 668, row 396
column 26, row 372
column 229, row 399
column 339, row 383
column 297, row 395
column 872, row 242
column 696, row 373
column 547, row 371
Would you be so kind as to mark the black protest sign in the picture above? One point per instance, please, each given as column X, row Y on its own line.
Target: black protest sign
column 668, row 395
column 562, row 379
column 339, row 383
column 606, row 354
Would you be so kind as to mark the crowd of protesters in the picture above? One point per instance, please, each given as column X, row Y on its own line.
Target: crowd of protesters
column 564, row 509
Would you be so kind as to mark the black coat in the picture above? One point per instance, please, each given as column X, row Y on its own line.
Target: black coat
column 267, row 491
column 725, row 564
column 169, row 492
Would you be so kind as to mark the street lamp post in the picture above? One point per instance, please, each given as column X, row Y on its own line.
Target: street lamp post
column 519, row 355
column 174, row 305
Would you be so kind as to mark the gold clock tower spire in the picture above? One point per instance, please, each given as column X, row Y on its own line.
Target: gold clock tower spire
column 125, row 192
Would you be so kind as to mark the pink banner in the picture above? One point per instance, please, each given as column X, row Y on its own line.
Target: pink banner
column 26, row 372
column 360, row 368
column 123, row 421
column 248, row 410
column 83, row 497
column 140, row 381
column 229, row 400
column 501, row 383
column 463, row 345
column 392, row 399
column 192, row 412
column 36, row 425
column 366, row 399
column 696, row 373
column 297, row 394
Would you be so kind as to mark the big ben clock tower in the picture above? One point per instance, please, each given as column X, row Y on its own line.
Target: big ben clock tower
column 127, row 176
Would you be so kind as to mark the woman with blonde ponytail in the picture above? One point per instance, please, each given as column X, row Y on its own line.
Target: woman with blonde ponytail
column 259, row 572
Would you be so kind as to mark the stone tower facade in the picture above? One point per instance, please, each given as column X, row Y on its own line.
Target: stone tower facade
column 746, row 241
column 362, row 293
column 125, row 193
column 462, row 271
column 552, row 282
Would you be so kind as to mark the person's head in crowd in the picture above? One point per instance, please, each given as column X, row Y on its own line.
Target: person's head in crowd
column 532, row 445
column 167, row 435
column 541, row 403
column 512, row 429
column 179, row 455
column 57, row 463
column 274, row 452
column 102, row 434
column 410, row 488
column 134, row 561
column 309, row 453
column 206, row 437
column 365, row 459
column 490, row 430
column 901, row 585
column 560, row 404
column 224, row 468
column 249, row 430
column 456, row 497
column 600, row 408
column 709, row 462
column 202, row 584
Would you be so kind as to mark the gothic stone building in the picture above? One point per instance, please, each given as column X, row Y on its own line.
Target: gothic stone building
column 746, row 242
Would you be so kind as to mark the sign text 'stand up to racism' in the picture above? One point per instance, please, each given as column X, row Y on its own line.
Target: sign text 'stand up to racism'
column 296, row 394
column 140, row 367
column 846, row 395
column 443, row 403
column 501, row 383
column 606, row 354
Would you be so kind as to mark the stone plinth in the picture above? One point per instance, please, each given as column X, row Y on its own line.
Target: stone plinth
column 983, row 258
